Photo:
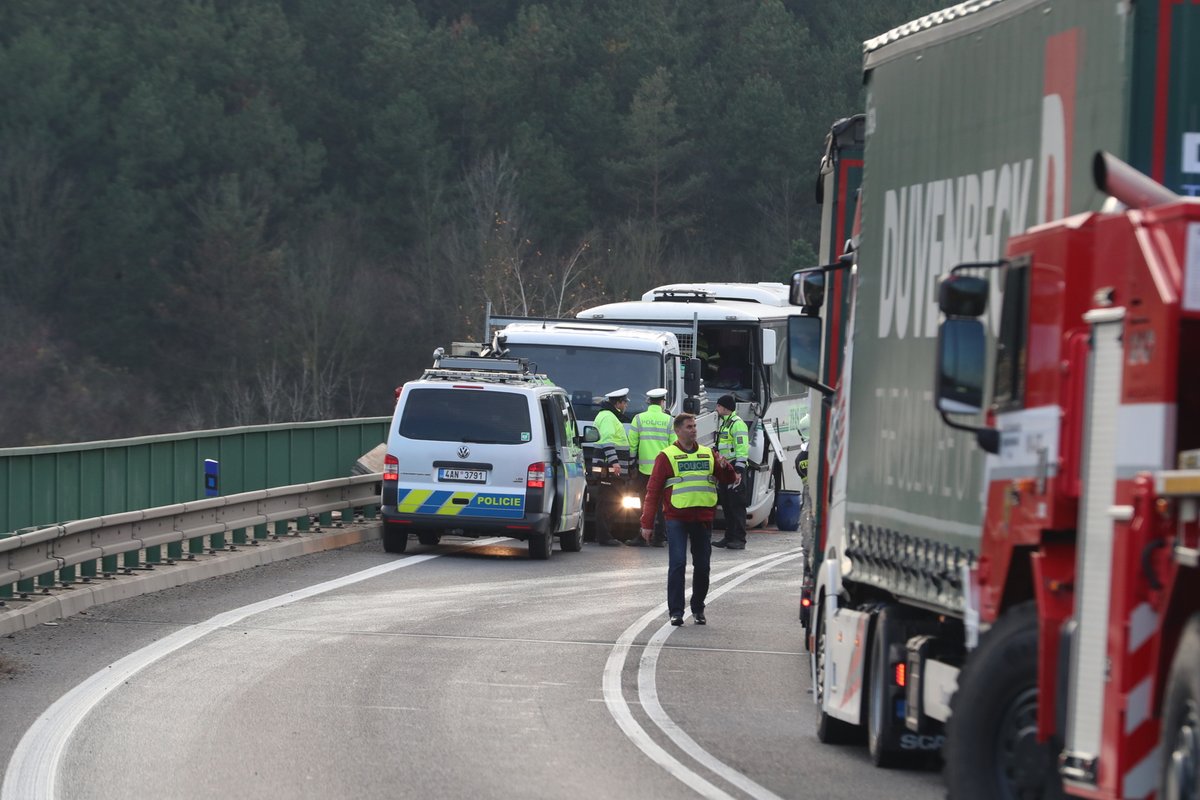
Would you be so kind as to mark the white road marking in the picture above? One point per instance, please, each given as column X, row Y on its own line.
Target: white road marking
column 33, row 769
column 648, row 691
column 614, row 697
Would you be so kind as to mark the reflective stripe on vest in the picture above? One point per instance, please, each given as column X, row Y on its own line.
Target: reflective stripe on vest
column 694, row 484
column 652, row 429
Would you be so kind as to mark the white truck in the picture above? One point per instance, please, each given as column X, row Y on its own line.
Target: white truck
column 737, row 332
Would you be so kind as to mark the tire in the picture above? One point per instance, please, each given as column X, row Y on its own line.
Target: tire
column 541, row 545
column 1181, row 720
column 883, row 729
column 830, row 730
column 430, row 538
column 395, row 538
column 571, row 541
column 991, row 750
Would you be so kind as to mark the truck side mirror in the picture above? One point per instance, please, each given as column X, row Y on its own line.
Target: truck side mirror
column 768, row 347
column 961, row 356
column 808, row 289
column 963, row 296
column 960, row 361
column 804, row 352
column 691, row 376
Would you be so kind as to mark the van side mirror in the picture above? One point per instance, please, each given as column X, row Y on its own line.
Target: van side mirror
column 591, row 434
column 804, row 352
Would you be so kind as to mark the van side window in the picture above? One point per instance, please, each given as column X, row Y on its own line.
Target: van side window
column 569, row 425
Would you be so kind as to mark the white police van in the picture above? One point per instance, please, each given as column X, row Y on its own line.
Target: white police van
column 482, row 446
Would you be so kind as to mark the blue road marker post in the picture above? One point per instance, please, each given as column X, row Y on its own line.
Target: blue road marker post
column 212, row 488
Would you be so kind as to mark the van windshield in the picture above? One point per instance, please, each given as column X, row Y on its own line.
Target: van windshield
column 587, row 373
column 466, row 415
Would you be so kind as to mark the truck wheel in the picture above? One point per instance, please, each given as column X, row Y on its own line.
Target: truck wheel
column 883, row 728
column 395, row 538
column 571, row 541
column 991, row 749
column 1181, row 719
column 431, row 538
column 540, row 546
column 830, row 730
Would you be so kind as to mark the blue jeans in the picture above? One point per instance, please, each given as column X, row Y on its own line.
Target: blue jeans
column 679, row 533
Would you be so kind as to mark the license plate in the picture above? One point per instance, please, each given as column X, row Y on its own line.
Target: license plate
column 463, row 475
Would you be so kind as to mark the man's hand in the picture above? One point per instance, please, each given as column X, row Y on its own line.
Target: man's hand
column 647, row 533
column 740, row 474
column 616, row 469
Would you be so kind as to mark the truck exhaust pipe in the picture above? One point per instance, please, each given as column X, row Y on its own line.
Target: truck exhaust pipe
column 1113, row 176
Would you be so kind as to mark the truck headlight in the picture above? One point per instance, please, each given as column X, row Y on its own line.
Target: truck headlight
column 631, row 501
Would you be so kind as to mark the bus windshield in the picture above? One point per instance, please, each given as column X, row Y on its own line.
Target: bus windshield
column 587, row 373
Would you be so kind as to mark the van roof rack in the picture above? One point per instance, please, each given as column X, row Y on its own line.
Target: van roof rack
column 488, row 368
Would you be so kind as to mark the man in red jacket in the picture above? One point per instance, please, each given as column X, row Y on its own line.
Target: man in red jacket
column 684, row 482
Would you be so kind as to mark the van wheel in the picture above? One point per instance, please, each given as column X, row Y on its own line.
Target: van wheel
column 430, row 538
column 571, row 541
column 540, row 546
column 395, row 537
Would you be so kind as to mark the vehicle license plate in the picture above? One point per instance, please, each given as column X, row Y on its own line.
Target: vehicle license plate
column 463, row 475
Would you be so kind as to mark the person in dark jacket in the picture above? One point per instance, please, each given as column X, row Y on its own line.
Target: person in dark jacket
column 684, row 483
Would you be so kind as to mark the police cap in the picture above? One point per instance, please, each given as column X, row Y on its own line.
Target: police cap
column 656, row 394
column 618, row 394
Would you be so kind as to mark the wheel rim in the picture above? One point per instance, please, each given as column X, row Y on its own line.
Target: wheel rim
column 1183, row 764
column 1023, row 766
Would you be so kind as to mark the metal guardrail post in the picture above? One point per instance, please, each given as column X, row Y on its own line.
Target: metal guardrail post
column 132, row 561
column 281, row 528
column 6, row 589
column 175, row 551
column 216, row 542
column 260, row 531
column 239, row 537
column 325, row 520
column 154, row 555
column 303, row 523
column 195, row 546
column 108, row 564
column 88, row 570
column 66, row 576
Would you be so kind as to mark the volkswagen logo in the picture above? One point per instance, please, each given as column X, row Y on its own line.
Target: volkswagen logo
column 464, row 452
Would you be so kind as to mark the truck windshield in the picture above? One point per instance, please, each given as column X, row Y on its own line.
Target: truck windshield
column 587, row 373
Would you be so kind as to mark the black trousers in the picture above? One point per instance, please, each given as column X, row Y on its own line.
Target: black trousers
column 660, row 522
column 733, row 506
column 607, row 497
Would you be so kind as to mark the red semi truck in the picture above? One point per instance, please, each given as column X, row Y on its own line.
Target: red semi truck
column 1005, row 563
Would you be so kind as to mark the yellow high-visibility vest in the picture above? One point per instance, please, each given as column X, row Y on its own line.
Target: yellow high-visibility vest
column 695, row 481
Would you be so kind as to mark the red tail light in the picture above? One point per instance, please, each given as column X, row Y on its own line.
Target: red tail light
column 391, row 468
column 900, row 676
column 536, row 479
column 806, row 601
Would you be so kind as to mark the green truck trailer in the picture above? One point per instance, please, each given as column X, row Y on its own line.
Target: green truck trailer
column 981, row 122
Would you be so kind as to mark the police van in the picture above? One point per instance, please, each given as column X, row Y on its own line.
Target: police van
column 483, row 446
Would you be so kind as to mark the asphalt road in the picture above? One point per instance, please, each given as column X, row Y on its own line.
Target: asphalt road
column 459, row 671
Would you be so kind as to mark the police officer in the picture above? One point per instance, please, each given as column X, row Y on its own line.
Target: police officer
column 649, row 435
column 610, row 424
column 733, row 443
column 684, row 485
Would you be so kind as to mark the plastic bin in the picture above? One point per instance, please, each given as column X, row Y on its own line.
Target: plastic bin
column 787, row 510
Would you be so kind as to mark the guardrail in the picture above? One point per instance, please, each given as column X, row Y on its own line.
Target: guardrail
column 83, row 550
column 41, row 486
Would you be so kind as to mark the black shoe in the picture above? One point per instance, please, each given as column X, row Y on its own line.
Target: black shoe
column 658, row 543
column 735, row 546
column 721, row 543
column 610, row 543
column 638, row 542
column 700, row 620
column 676, row 621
